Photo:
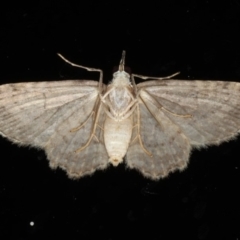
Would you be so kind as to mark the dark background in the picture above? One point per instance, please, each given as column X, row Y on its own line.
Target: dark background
column 199, row 38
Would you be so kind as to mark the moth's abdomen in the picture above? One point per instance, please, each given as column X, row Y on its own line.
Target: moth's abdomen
column 117, row 136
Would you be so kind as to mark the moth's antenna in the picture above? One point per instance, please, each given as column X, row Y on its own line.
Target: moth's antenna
column 122, row 61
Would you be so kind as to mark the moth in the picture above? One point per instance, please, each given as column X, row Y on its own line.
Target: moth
column 85, row 125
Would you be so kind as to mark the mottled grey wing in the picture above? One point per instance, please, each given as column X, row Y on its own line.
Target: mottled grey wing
column 42, row 114
column 168, row 146
column 214, row 107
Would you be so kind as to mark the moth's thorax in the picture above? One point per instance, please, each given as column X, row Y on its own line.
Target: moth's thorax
column 119, row 96
column 119, row 100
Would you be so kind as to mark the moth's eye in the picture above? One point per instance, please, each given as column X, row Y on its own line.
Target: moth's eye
column 126, row 69
column 115, row 69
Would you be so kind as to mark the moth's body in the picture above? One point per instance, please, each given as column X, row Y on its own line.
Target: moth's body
column 119, row 103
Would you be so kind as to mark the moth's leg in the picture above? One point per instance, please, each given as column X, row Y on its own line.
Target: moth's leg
column 156, row 78
column 148, row 77
column 105, row 105
column 95, row 125
column 88, row 69
column 100, row 127
column 159, row 106
column 105, row 102
column 102, row 97
column 132, row 105
column 134, row 85
column 175, row 114
column 80, row 126
column 138, row 136
column 96, row 138
column 110, row 90
column 101, row 133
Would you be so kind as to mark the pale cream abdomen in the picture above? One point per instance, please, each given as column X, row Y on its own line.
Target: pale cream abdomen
column 117, row 136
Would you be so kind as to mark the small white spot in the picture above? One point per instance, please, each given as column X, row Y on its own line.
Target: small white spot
column 31, row 223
